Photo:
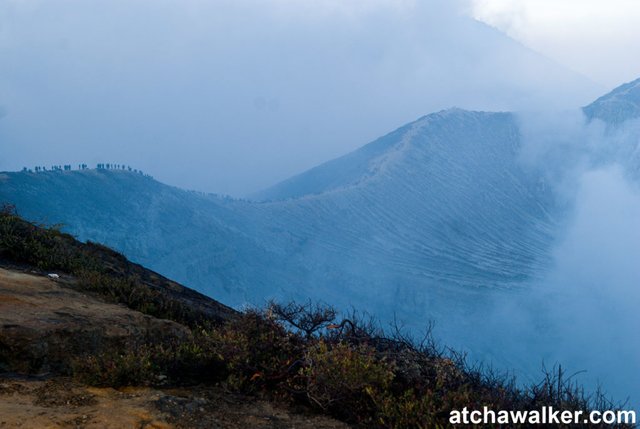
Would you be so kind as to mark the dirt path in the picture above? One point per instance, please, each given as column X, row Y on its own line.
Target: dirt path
column 60, row 403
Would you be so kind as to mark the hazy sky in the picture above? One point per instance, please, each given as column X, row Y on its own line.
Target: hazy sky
column 598, row 38
column 232, row 96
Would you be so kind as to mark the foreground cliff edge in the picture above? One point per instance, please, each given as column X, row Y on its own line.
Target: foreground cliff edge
column 89, row 339
column 45, row 325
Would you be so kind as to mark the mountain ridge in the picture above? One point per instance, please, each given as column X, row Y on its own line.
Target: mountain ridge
column 436, row 140
column 617, row 106
column 438, row 207
column 364, row 155
column 439, row 220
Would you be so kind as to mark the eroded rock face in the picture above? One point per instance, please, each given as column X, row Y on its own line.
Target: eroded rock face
column 44, row 324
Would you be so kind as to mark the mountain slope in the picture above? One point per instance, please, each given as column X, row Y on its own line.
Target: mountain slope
column 434, row 211
column 439, row 209
column 184, row 235
column 70, row 340
column 621, row 104
column 430, row 211
column 335, row 173
column 113, row 335
column 438, row 220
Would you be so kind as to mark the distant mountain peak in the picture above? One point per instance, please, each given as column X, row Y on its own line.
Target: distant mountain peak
column 370, row 160
column 621, row 104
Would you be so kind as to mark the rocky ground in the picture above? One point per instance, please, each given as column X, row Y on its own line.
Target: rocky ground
column 43, row 320
column 61, row 403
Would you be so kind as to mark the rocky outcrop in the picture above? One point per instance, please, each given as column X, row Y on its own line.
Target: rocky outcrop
column 45, row 323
